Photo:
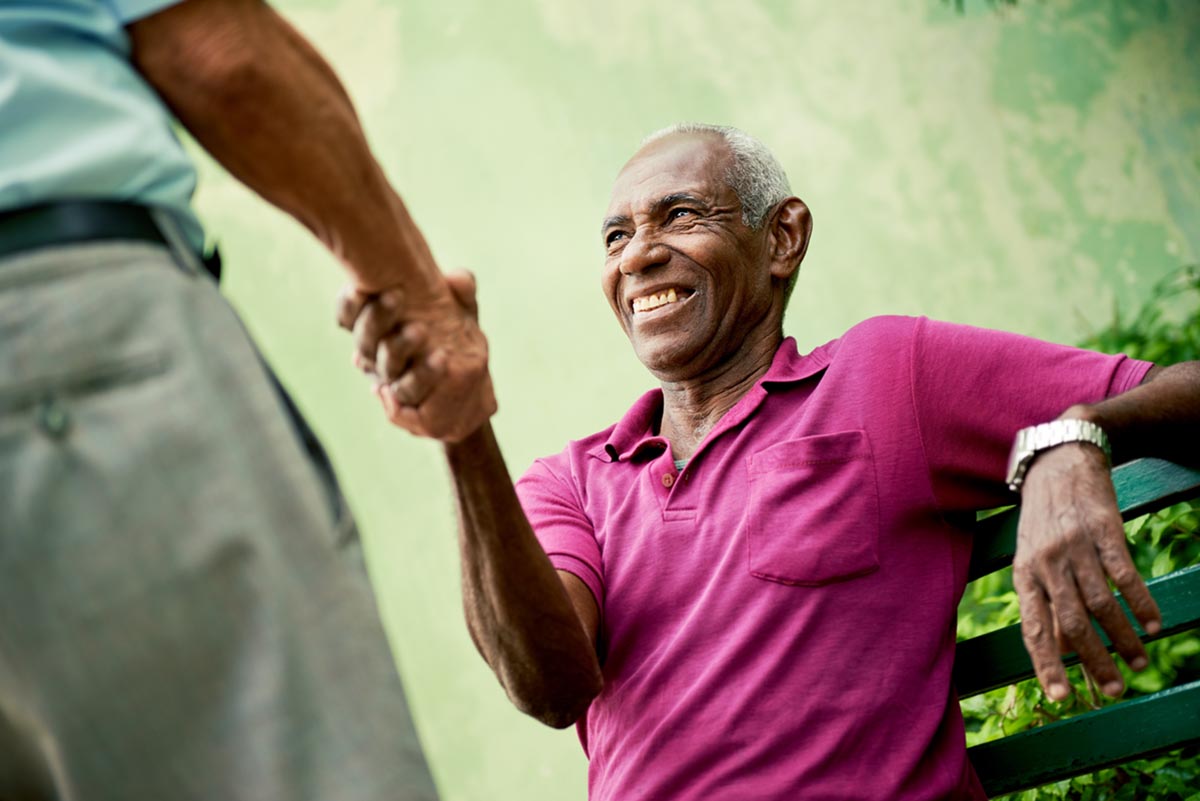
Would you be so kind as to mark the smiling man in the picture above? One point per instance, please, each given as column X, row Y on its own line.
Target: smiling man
column 706, row 586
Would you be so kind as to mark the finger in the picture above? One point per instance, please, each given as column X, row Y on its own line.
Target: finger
column 1076, row 624
column 462, row 286
column 418, row 382
column 374, row 322
column 1103, row 606
column 349, row 304
column 397, row 353
column 404, row 417
column 1037, row 630
column 1118, row 564
column 1064, row 647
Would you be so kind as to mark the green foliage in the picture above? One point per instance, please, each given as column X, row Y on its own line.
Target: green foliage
column 1166, row 329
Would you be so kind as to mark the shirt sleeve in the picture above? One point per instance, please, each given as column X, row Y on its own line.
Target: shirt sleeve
column 128, row 11
column 974, row 388
column 561, row 524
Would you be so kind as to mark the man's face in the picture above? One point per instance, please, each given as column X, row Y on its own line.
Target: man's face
column 687, row 279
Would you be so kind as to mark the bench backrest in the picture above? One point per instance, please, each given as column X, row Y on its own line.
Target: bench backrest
column 1134, row 729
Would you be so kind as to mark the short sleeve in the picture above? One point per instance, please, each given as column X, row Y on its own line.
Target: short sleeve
column 561, row 524
column 128, row 11
column 974, row 388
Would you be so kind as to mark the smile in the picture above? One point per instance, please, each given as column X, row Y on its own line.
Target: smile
column 657, row 300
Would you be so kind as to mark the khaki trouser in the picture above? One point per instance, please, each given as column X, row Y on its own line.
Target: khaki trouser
column 184, row 612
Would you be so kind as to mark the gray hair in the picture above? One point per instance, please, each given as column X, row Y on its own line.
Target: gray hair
column 755, row 174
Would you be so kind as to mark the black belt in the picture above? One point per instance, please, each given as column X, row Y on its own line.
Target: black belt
column 77, row 221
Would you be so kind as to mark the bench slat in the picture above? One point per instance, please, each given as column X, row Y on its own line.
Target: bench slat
column 1147, row 485
column 999, row 657
column 1136, row 729
column 1142, row 486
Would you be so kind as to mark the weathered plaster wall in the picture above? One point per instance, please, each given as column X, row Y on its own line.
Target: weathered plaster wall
column 1022, row 169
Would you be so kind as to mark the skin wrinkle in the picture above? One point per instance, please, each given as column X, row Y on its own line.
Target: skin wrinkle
column 659, row 207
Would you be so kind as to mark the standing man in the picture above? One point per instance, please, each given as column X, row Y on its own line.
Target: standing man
column 183, row 607
column 746, row 587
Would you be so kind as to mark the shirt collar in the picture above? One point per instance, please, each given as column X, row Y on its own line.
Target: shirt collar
column 635, row 430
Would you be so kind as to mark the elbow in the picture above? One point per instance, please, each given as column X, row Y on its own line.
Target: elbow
column 205, row 78
column 557, row 713
column 204, row 63
column 560, row 701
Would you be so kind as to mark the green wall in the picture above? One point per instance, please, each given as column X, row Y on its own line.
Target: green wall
column 1021, row 168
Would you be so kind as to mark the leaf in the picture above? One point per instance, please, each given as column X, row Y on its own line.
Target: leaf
column 1163, row 564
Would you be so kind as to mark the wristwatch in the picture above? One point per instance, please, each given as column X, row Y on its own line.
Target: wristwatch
column 1031, row 441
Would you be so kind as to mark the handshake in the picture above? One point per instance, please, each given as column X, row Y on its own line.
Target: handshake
column 428, row 357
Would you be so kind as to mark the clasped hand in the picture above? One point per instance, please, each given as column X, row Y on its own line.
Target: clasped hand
column 1070, row 544
column 429, row 358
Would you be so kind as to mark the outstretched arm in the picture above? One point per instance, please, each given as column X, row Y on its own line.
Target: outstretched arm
column 534, row 626
column 1071, row 543
column 265, row 104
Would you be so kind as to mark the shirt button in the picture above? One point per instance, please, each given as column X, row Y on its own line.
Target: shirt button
column 668, row 479
column 53, row 418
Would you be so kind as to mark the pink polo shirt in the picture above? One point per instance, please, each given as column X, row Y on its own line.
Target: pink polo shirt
column 777, row 620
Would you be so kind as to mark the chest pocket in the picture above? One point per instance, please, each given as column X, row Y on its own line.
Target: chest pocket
column 814, row 510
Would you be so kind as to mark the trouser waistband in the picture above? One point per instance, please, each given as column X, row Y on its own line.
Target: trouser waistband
column 69, row 222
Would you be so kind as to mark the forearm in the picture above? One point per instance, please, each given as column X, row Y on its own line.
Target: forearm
column 265, row 104
column 1160, row 418
column 519, row 614
column 1070, row 540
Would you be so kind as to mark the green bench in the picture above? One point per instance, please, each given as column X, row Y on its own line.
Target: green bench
column 1133, row 729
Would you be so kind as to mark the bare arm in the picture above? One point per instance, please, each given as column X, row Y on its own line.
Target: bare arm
column 265, row 104
column 1071, row 542
column 534, row 626
column 1161, row 417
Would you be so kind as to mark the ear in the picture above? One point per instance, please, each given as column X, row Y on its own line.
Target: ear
column 790, row 231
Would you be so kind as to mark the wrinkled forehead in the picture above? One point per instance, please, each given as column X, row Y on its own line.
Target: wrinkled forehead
column 692, row 163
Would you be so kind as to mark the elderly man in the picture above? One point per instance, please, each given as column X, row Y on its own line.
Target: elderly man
column 704, row 586
column 183, row 607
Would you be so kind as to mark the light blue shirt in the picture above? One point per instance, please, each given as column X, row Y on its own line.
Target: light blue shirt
column 76, row 118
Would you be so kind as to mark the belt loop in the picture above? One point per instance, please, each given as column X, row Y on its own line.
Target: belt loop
column 187, row 258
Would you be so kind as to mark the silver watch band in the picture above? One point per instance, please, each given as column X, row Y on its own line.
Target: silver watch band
column 1031, row 441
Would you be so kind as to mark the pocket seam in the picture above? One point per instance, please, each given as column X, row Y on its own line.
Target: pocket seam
column 792, row 582
column 754, row 471
column 98, row 378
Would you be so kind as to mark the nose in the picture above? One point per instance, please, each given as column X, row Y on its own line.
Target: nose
column 644, row 252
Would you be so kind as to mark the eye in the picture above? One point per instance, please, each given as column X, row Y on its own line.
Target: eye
column 678, row 213
column 613, row 237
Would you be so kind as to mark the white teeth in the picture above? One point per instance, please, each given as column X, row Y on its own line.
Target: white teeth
column 649, row 302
